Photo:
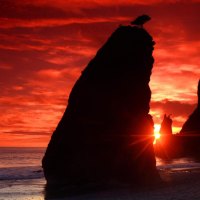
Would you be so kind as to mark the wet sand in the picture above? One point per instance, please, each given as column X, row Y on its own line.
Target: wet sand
column 32, row 189
column 177, row 184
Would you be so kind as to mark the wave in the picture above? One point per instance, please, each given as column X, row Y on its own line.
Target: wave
column 179, row 166
column 21, row 173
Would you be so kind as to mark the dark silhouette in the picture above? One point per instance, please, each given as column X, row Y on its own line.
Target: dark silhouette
column 166, row 126
column 164, row 146
column 192, row 125
column 190, row 131
column 139, row 21
column 106, row 134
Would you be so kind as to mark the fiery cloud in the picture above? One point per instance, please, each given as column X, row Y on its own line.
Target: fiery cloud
column 44, row 46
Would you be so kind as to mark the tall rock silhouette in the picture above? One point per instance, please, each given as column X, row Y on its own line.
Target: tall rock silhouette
column 106, row 133
column 166, row 126
column 192, row 125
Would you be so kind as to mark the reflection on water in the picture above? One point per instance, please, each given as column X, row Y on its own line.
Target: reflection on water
column 177, row 163
column 20, row 157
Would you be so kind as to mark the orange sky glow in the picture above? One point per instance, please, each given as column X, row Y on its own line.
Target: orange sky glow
column 45, row 44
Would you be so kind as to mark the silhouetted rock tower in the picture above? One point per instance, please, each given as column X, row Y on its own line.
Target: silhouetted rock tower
column 166, row 126
column 106, row 133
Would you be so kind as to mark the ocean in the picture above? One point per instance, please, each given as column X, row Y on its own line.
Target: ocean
column 20, row 163
column 22, row 178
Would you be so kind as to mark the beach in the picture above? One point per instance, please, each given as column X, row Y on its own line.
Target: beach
column 180, row 185
column 32, row 189
column 25, row 180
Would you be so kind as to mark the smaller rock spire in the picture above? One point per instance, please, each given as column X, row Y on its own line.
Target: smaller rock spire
column 198, row 93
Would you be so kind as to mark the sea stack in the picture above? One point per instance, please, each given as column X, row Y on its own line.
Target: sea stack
column 192, row 125
column 106, row 133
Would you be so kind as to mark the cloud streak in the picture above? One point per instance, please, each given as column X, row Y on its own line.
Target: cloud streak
column 44, row 46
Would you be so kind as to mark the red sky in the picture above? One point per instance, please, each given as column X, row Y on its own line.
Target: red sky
column 45, row 44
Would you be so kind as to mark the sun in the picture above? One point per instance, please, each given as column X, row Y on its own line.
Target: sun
column 157, row 136
column 156, row 133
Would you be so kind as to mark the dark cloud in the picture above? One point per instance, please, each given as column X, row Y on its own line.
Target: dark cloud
column 17, row 10
column 176, row 108
column 28, row 133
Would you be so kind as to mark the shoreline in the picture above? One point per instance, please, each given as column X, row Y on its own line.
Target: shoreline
column 25, row 189
column 177, row 184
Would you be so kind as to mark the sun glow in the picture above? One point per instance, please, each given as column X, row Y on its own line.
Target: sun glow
column 156, row 133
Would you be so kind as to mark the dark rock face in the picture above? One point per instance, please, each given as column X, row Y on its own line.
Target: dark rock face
column 106, row 133
column 193, row 123
column 164, row 147
column 190, row 132
column 166, row 126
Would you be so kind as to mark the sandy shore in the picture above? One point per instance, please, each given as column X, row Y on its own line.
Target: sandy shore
column 178, row 185
column 32, row 189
